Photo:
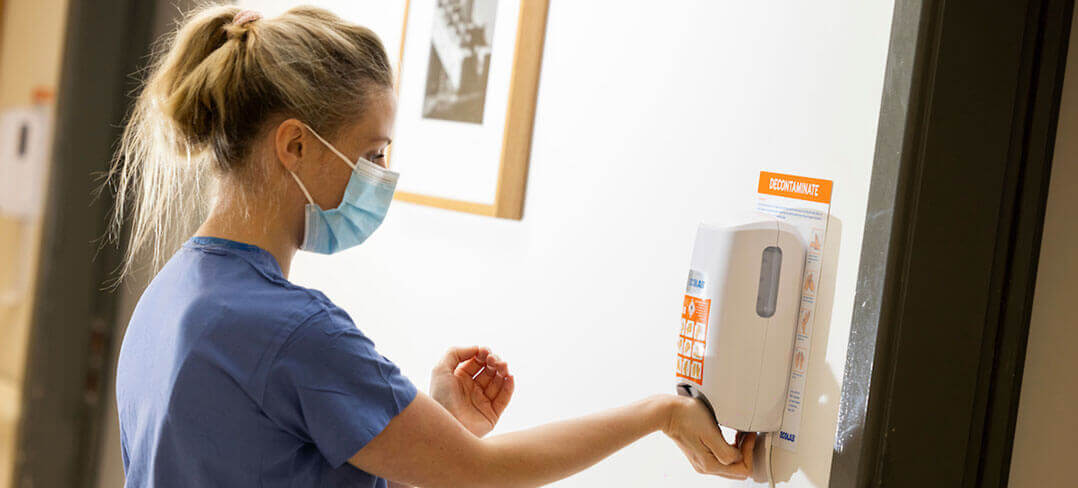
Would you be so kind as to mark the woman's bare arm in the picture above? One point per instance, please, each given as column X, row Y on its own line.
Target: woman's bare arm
column 425, row 446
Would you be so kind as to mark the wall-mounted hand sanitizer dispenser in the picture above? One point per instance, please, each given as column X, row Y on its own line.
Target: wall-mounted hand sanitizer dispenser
column 738, row 321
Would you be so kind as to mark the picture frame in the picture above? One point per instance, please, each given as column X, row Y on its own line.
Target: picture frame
column 466, row 103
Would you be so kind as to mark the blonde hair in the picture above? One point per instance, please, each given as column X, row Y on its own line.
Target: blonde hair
column 211, row 87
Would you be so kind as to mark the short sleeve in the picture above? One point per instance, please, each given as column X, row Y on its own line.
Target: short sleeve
column 123, row 449
column 328, row 386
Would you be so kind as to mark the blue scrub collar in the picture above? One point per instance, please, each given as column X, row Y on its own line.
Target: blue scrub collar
column 257, row 256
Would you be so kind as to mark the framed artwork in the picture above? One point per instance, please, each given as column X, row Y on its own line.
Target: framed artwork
column 466, row 88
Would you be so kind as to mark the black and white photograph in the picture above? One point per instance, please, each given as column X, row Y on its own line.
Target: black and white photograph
column 460, row 48
column 469, row 75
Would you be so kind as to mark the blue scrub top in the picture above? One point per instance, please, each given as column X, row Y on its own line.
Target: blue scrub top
column 230, row 375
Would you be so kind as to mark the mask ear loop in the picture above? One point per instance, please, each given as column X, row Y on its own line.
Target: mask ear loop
column 301, row 187
column 331, row 148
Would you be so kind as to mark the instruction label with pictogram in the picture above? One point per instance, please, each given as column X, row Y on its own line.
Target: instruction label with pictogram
column 692, row 340
column 804, row 203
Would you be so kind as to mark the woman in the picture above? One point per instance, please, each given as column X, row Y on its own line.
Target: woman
column 230, row 375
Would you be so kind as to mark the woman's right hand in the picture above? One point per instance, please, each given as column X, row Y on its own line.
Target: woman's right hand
column 693, row 429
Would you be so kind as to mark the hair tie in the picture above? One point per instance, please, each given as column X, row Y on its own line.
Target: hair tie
column 245, row 17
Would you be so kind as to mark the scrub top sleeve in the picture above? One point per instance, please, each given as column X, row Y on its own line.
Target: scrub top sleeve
column 123, row 449
column 330, row 387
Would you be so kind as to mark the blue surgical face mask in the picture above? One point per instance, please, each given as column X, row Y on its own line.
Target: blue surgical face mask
column 364, row 205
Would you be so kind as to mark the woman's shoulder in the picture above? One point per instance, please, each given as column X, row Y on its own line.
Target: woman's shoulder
column 325, row 320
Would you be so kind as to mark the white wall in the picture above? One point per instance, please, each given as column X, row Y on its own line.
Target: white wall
column 1044, row 437
column 651, row 117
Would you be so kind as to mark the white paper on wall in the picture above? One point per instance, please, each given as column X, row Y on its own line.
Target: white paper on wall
column 25, row 137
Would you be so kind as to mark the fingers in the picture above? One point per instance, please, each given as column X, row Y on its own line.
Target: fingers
column 490, row 372
column 484, row 406
column 494, row 386
column 715, row 464
column 484, row 378
column 472, row 366
column 500, row 387
column 501, row 400
column 747, row 446
column 493, row 367
column 723, row 452
column 737, row 471
column 496, row 383
column 496, row 363
column 469, row 367
column 470, row 360
column 455, row 356
column 734, row 471
column 704, row 461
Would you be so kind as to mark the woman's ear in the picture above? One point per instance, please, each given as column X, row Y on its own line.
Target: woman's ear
column 289, row 144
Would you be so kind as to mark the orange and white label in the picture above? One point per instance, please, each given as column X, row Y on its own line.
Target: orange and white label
column 799, row 187
column 804, row 203
column 692, row 340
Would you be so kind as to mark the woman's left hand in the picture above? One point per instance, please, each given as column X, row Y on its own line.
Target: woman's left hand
column 474, row 385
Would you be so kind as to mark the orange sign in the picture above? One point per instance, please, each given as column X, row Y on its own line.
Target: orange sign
column 692, row 340
column 799, row 187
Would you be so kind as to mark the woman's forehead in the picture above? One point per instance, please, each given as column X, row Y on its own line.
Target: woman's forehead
column 376, row 123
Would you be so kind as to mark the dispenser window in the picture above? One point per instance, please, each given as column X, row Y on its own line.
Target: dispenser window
column 767, row 294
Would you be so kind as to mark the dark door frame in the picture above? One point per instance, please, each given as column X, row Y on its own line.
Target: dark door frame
column 951, row 243
column 73, row 318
